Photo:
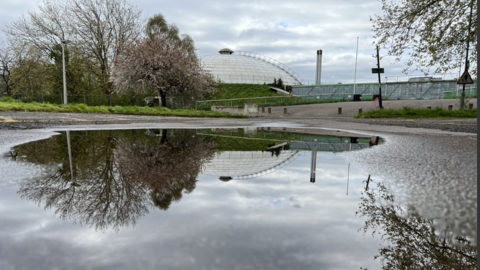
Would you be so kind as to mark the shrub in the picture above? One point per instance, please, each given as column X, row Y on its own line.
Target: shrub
column 7, row 99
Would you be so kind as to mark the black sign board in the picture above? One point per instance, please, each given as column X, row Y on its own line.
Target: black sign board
column 377, row 70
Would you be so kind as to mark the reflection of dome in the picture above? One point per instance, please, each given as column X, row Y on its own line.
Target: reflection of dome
column 246, row 164
column 247, row 67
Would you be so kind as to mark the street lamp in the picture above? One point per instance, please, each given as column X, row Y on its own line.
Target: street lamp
column 64, row 41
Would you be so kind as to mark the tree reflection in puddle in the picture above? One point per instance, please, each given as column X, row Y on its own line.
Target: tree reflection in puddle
column 411, row 240
column 114, row 179
column 110, row 179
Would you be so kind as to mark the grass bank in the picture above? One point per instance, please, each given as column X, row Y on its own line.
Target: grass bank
column 10, row 104
column 228, row 91
column 412, row 113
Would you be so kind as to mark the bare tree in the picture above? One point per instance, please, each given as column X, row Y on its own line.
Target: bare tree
column 42, row 29
column 99, row 27
column 165, row 61
column 103, row 28
column 6, row 64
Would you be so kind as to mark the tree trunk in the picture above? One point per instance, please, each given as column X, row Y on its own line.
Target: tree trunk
column 163, row 97
column 164, row 137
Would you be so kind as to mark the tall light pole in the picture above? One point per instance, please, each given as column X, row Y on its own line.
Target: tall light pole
column 355, row 79
column 63, row 41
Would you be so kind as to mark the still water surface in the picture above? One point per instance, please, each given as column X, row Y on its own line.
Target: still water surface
column 208, row 199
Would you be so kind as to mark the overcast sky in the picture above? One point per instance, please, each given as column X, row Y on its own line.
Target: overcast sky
column 288, row 31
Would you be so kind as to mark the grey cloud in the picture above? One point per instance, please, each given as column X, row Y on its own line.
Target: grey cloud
column 286, row 31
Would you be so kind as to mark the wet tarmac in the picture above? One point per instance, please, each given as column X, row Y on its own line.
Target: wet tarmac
column 430, row 164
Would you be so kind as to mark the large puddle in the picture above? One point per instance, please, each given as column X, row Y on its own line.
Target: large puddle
column 246, row 198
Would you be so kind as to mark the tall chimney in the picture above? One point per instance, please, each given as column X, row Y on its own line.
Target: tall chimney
column 318, row 77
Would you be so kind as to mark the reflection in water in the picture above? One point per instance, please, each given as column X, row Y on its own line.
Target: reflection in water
column 108, row 179
column 167, row 168
column 412, row 240
column 113, row 179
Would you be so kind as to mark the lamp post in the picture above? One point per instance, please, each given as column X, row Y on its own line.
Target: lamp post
column 64, row 41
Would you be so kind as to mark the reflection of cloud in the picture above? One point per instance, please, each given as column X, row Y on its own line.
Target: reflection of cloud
column 213, row 228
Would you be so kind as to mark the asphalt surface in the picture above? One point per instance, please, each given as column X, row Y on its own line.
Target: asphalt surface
column 431, row 164
column 309, row 114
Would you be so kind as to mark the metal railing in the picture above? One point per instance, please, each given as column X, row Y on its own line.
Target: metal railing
column 269, row 101
column 392, row 91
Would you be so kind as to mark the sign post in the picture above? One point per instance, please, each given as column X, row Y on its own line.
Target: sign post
column 379, row 70
column 467, row 63
column 465, row 78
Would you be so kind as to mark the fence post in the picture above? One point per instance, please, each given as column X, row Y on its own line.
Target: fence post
column 84, row 100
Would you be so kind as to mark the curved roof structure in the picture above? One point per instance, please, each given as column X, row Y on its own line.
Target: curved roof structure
column 246, row 164
column 248, row 67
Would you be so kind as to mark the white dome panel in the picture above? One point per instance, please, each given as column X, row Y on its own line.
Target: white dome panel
column 245, row 67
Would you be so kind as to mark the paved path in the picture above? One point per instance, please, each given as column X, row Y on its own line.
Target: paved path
column 350, row 109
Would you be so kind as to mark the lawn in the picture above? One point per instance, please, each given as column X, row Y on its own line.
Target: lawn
column 10, row 104
column 410, row 113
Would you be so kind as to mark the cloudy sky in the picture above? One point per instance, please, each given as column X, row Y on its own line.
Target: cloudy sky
column 289, row 31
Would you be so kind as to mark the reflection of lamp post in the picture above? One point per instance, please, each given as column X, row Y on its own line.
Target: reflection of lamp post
column 70, row 155
column 64, row 41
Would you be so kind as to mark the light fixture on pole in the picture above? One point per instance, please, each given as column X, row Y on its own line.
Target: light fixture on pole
column 64, row 41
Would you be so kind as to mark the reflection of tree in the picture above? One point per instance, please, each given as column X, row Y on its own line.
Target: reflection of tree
column 115, row 177
column 413, row 242
column 168, row 168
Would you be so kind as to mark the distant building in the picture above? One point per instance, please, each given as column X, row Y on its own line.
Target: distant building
column 247, row 67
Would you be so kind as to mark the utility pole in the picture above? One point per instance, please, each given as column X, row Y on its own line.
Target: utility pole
column 379, row 82
column 64, row 41
column 63, row 73
column 355, row 78
column 467, row 63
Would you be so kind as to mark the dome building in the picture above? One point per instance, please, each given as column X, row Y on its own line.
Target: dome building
column 247, row 67
column 246, row 164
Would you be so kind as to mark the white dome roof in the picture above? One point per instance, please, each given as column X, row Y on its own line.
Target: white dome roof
column 247, row 164
column 247, row 67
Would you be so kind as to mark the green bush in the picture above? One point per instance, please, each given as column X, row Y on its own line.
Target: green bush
column 7, row 99
column 26, row 100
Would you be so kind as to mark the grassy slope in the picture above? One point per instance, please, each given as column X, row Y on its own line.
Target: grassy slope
column 9, row 104
column 227, row 91
column 418, row 113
